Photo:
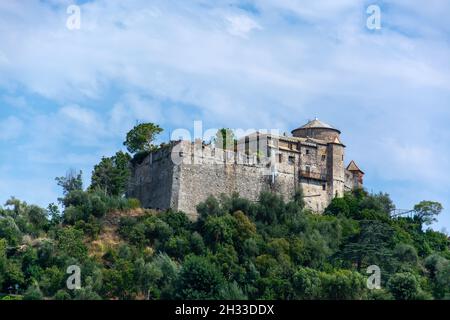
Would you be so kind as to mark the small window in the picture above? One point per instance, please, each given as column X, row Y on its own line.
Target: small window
column 290, row 145
column 324, row 187
column 342, row 157
column 280, row 158
column 181, row 154
column 323, row 157
column 307, row 151
column 291, row 159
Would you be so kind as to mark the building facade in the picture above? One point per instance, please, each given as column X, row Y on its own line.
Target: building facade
column 185, row 173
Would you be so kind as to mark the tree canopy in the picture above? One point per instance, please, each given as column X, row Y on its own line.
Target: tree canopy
column 142, row 137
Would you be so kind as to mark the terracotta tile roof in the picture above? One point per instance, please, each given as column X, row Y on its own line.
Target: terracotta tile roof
column 353, row 167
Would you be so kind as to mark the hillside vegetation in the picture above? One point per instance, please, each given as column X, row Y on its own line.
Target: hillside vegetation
column 237, row 249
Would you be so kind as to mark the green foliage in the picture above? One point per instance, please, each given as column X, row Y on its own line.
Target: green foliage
column 238, row 249
column 308, row 284
column 232, row 291
column 372, row 245
column 51, row 280
column 90, row 205
column 426, row 211
column 404, row 286
column 111, row 174
column 141, row 138
column 225, row 139
column 33, row 293
column 199, row 279
column 343, row 285
column 338, row 206
column 3, row 261
column 72, row 181
column 406, row 254
column 69, row 241
column 9, row 231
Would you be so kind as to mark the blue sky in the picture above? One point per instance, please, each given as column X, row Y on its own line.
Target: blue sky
column 67, row 97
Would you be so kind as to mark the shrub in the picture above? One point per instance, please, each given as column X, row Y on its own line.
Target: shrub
column 134, row 203
column 403, row 286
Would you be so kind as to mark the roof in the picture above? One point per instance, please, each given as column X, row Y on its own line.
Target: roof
column 353, row 167
column 316, row 123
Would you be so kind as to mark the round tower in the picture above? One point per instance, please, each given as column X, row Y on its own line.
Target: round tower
column 317, row 129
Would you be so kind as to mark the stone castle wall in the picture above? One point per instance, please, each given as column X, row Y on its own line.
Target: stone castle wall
column 154, row 181
column 184, row 174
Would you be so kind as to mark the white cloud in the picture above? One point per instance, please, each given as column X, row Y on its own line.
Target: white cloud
column 241, row 25
column 78, row 115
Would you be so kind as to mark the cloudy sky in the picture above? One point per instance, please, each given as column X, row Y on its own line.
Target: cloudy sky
column 67, row 97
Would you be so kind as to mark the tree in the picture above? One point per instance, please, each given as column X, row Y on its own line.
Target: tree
column 71, row 182
column 232, row 291
column 403, row 286
column 343, row 285
column 9, row 231
column 370, row 246
column 406, row 253
column 245, row 228
column 338, row 206
column 218, row 229
column 141, row 137
column 37, row 217
column 3, row 260
column 52, row 280
column 54, row 214
column 70, row 243
column 307, row 284
column 225, row 139
column 33, row 293
column 426, row 211
column 112, row 174
column 199, row 279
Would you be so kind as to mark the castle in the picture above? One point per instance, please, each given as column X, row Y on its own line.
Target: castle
column 184, row 173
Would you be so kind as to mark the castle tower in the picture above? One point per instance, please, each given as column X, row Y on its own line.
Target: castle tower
column 335, row 168
column 357, row 174
column 317, row 129
column 329, row 135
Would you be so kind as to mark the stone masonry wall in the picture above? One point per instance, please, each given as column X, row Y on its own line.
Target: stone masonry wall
column 184, row 174
column 152, row 181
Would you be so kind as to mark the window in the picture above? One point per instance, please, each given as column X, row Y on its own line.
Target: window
column 307, row 151
column 324, row 157
column 290, row 145
column 324, row 187
column 280, row 158
column 291, row 159
column 308, row 170
column 247, row 146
